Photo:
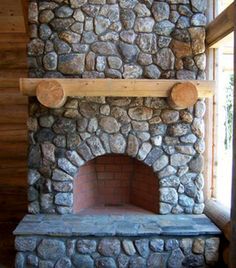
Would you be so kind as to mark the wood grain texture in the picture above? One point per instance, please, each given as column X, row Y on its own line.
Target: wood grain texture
column 183, row 95
column 221, row 26
column 13, row 116
column 117, row 87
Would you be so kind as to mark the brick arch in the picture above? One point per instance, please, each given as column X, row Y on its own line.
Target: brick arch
column 117, row 181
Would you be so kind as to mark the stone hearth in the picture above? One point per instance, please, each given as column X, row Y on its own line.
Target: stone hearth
column 133, row 240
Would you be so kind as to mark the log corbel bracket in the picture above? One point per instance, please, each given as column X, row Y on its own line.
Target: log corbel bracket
column 181, row 94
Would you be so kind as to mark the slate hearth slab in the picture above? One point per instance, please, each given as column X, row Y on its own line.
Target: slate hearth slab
column 112, row 225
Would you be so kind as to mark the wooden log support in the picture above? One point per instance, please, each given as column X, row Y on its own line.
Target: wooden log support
column 183, row 95
column 56, row 90
column 219, row 215
column 51, row 94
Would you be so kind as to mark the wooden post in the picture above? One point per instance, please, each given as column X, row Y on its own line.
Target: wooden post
column 233, row 198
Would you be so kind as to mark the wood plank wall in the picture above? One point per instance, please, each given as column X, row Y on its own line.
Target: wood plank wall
column 13, row 135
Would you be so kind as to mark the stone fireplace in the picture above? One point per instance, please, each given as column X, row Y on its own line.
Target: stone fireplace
column 116, row 181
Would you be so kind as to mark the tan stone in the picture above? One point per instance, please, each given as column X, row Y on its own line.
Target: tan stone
column 198, row 39
column 181, row 49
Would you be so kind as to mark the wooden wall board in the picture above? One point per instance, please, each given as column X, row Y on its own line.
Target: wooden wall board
column 12, row 16
column 13, row 130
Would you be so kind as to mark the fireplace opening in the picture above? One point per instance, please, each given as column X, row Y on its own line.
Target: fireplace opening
column 115, row 183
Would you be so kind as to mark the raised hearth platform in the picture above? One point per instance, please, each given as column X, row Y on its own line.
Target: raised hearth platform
column 113, row 224
column 137, row 239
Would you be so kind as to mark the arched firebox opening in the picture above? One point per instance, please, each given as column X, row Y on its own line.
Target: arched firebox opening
column 114, row 183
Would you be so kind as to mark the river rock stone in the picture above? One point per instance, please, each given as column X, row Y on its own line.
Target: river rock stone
column 127, row 18
column 95, row 146
column 147, row 43
column 144, row 150
column 86, row 246
column 161, row 163
column 168, row 195
column 176, row 259
column 169, row 116
column 71, row 63
column 104, row 48
column 198, row 37
column 142, row 246
column 185, row 201
column 129, row 52
column 137, row 262
column 51, row 249
column 199, row 20
column 105, row 262
column 25, row 243
column 80, row 260
column 178, row 130
column 197, row 164
column 109, row 247
column 140, row 113
column 117, row 143
column 199, row 5
column 128, row 247
column 152, row 71
column 132, row 146
column 109, row 124
column 132, row 71
column 66, row 166
column 211, row 250
column 165, row 59
column 101, row 24
column 157, row 245
column 164, row 27
column 64, row 199
column 144, row 25
column 161, row 11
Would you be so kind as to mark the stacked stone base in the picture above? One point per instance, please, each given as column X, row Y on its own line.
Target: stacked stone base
column 111, row 252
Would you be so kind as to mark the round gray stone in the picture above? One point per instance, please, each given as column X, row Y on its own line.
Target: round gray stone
column 109, row 247
column 51, row 249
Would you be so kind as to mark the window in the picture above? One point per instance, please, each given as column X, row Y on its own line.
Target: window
column 221, row 57
column 224, row 119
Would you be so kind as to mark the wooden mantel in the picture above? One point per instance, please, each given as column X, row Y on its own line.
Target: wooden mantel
column 53, row 92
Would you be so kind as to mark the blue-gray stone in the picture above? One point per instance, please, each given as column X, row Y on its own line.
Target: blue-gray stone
column 157, row 245
column 142, row 246
column 86, row 246
column 137, row 262
column 109, row 247
column 63, row 263
column 51, row 249
column 82, row 261
column 157, row 260
column 176, row 258
column 105, row 262
column 171, row 244
column 64, row 199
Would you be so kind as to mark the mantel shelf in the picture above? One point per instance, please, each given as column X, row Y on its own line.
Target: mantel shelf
column 117, row 87
column 52, row 93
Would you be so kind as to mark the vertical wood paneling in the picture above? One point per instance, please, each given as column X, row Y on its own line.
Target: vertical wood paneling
column 13, row 134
